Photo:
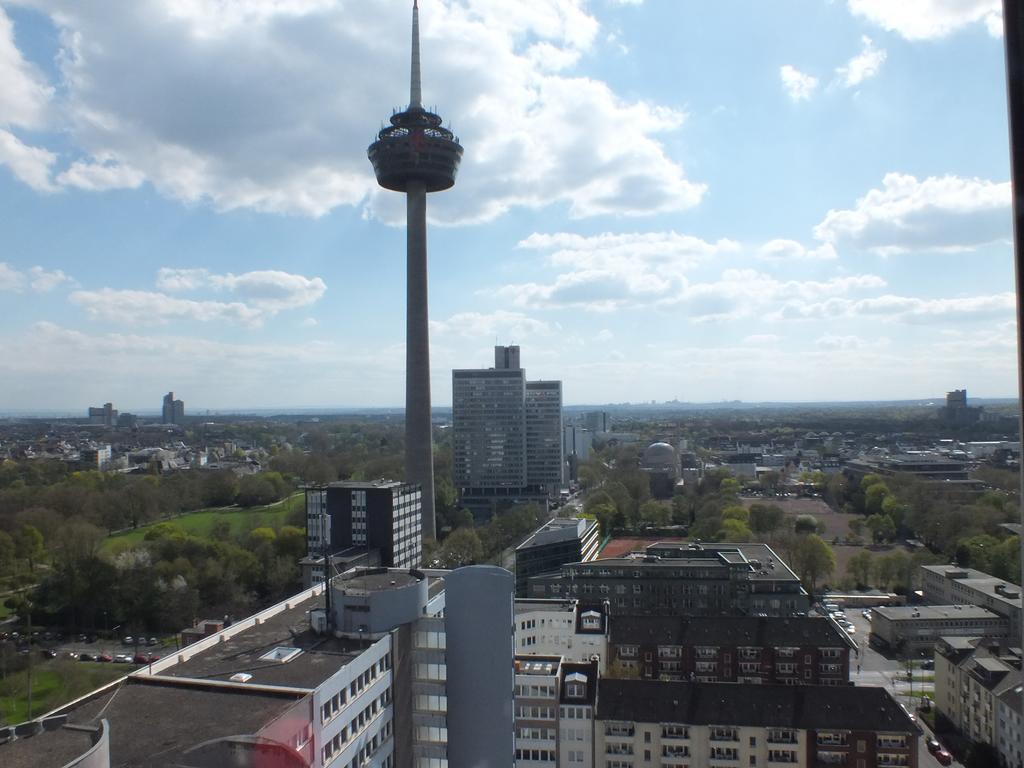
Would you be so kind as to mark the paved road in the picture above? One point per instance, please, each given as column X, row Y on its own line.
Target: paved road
column 869, row 667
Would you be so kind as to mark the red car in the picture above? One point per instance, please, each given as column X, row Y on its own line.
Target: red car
column 944, row 757
column 141, row 658
column 104, row 657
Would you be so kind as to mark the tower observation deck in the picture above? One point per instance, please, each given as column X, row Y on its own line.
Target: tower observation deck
column 417, row 155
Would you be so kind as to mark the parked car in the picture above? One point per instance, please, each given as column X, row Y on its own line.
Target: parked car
column 928, row 664
column 49, row 653
column 140, row 658
column 122, row 658
column 104, row 657
column 933, row 745
column 152, row 657
column 944, row 757
column 128, row 640
column 72, row 655
column 86, row 657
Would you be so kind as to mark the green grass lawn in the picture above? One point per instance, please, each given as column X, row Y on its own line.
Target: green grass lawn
column 53, row 683
column 201, row 523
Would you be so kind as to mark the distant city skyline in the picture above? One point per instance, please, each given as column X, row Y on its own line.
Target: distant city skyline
column 661, row 203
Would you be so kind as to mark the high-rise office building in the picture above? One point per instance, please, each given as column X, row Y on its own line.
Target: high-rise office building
column 507, row 434
column 544, row 460
column 347, row 519
column 417, row 155
column 106, row 415
column 173, row 411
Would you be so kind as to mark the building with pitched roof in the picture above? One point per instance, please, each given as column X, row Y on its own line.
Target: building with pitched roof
column 797, row 650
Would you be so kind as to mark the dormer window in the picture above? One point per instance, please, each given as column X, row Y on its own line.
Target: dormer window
column 576, row 686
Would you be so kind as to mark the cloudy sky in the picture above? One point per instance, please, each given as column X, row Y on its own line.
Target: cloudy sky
column 795, row 200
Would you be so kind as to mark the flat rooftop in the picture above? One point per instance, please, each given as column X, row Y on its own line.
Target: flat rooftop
column 150, row 725
column 764, row 563
column 319, row 656
column 910, row 612
column 978, row 580
column 557, row 530
column 364, row 484
column 376, row 580
column 530, row 605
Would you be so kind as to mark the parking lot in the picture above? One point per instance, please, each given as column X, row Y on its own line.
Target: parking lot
column 870, row 667
column 83, row 647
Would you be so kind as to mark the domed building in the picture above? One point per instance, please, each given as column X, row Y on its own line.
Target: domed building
column 661, row 463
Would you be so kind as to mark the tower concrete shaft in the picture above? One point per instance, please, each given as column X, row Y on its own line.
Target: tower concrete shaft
column 419, row 453
column 416, row 155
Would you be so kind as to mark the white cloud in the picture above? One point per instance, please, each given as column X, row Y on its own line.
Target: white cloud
column 101, row 174
column 43, row 281
column 863, row 66
column 29, row 164
column 272, row 289
column 839, row 343
column 237, row 74
column 170, row 279
column 791, row 250
column 268, row 290
column 10, row 278
column 762, row 339
column 799, row 85
column 37, row 278
column 131, row 308
column 609, row 270
column 946, row 213
column 930, row 19
column 905, row 309
column 25, row 95
column 309, row 322
column 741, row 293
column 500, row 324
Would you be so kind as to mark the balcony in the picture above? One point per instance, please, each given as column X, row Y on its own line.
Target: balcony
column 892, row 742
column 674, row 752
column 615, row 729
column 833, row 740
column 895, row 761
column 829, row 759
column 782, row 737
column 675, row 732
column 724, row 755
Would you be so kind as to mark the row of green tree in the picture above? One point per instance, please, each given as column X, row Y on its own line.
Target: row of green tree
column 469, row 544
column 164, row 583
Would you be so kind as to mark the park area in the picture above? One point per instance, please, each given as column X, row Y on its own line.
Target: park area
column 203, row 523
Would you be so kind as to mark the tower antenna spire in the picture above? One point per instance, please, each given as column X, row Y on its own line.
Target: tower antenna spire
column 415, row 94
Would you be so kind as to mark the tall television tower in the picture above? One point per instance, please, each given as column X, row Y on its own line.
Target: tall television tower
column 416, row 155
